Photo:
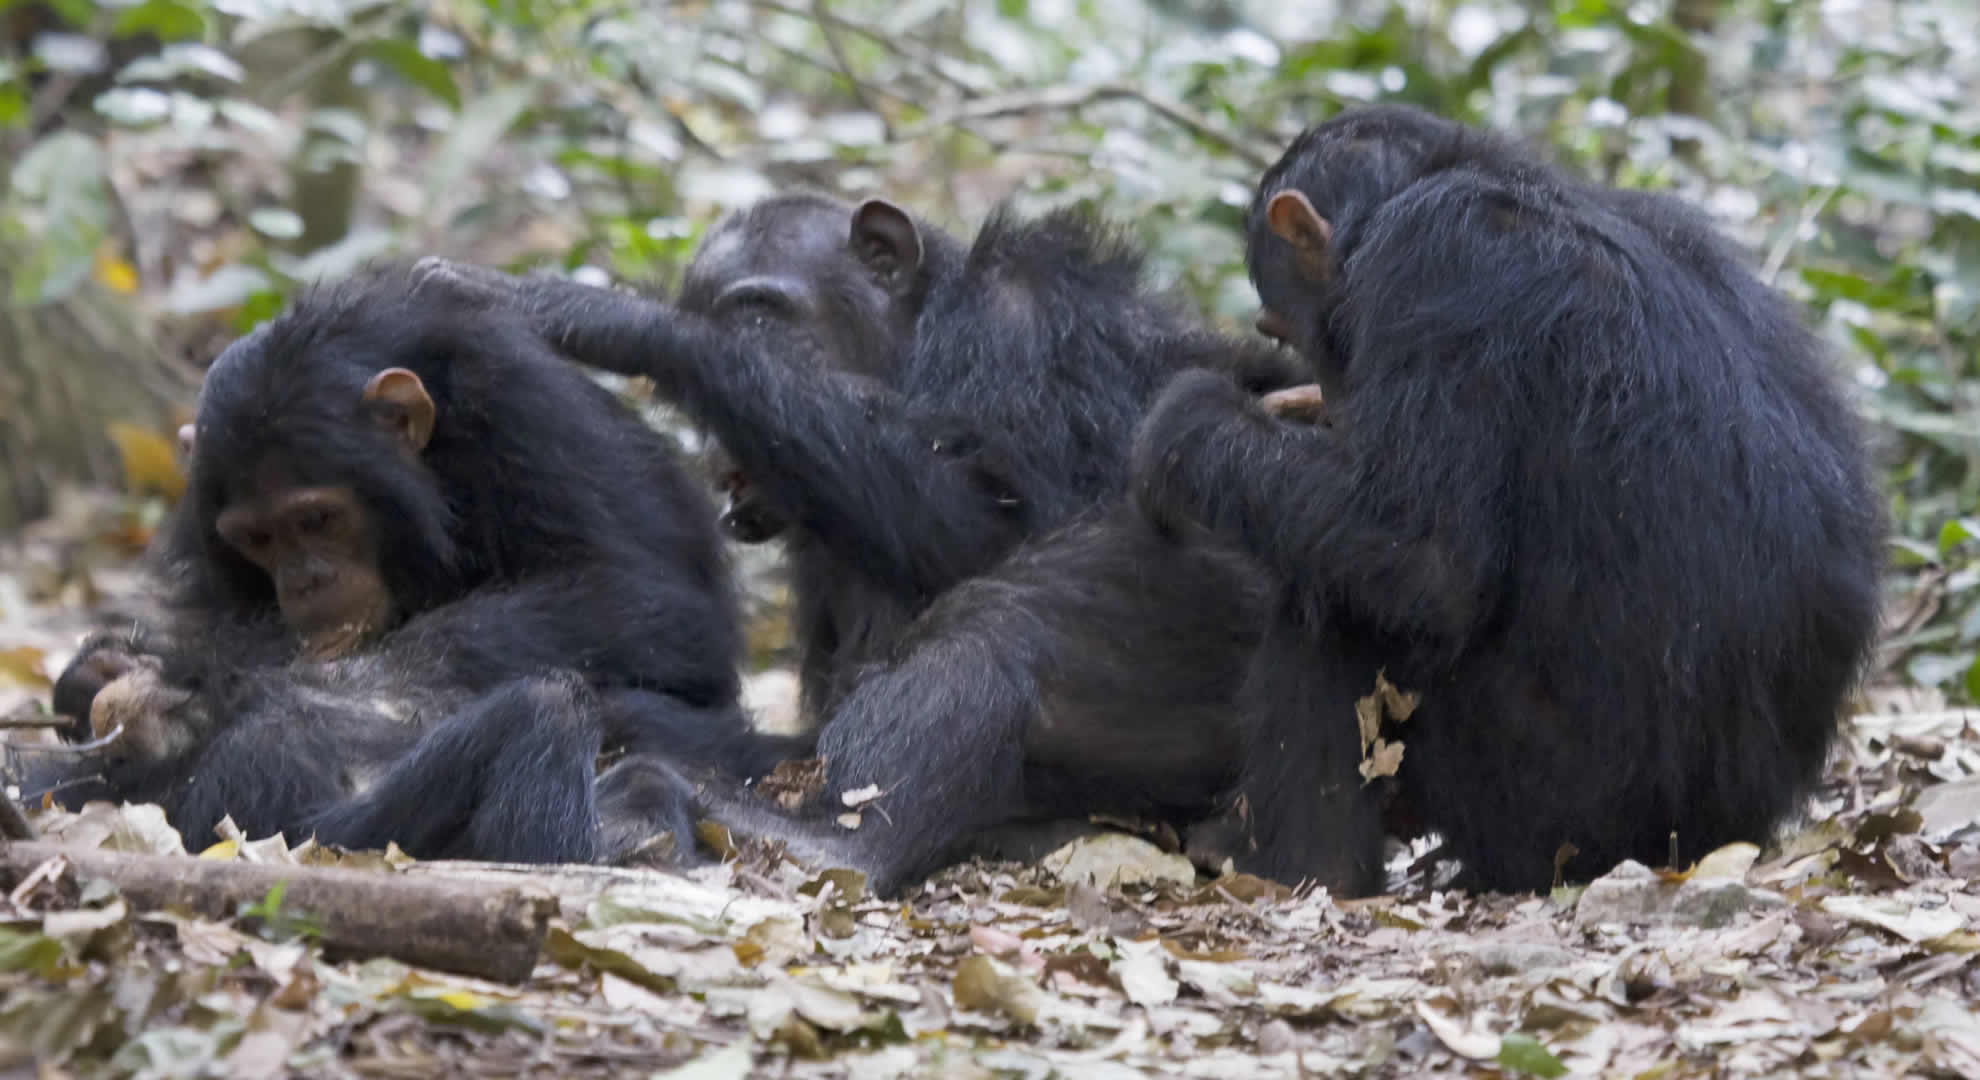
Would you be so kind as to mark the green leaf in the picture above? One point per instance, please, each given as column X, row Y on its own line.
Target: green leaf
column 36, row 953
column 1956, row 532
column 417, row 68
column 1911, row 553
column 1523, row 1053
column 170, row 20
column 257, row 309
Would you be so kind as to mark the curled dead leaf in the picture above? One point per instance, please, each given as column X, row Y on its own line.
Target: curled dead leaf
column 1383, row 759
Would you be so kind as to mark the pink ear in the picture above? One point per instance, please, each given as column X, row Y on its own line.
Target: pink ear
column 401, row 399
column 1294, row 220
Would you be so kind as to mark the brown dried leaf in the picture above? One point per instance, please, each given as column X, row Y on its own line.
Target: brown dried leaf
column 1383, row 760
column 1368, row 717
column 150, row 467
column 794, row 783
column 1396, row 704
column 980, row 987
column 21, row 666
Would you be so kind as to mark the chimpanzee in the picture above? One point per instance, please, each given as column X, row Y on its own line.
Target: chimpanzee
column 1587, row 488
column 988, row 632
column 423, row 574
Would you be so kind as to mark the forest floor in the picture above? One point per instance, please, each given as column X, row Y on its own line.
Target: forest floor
column 1846, row 949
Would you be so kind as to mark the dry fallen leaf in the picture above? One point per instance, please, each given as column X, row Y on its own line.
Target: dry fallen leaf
column 980, row 987
column 1441, row 1016
column 150, row 464
column 22, row 666
column 1385, row 704
column 1143, row 970
column 1114, row 859
column 1910, row 921
column 1383, row 759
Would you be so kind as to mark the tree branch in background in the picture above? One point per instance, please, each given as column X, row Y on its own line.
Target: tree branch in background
column 1073, row 98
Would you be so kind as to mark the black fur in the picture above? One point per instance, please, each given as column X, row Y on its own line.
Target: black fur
column 1589, row 488
column 988, row 634
column 560, row 575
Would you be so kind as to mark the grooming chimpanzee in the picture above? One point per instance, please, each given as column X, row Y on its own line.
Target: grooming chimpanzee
column 989, row 634
column 1588, row 489
column 424, row 572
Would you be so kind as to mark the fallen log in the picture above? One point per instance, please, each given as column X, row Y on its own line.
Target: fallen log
column 462, row 926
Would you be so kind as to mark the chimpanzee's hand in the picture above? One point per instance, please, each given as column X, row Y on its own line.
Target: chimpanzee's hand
column 1175, row 443
column 103, row 659
column 598, row 327
column 151, row 719
column 115, row 683
column 1304, row 404
column 466, row 284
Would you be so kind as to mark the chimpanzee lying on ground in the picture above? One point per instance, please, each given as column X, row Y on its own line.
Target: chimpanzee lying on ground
column 989, row 633
column 1589, row 489
column 423, row 574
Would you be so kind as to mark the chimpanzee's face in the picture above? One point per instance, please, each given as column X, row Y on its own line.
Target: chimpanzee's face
column 287, row 500
column 801, row 269
column 319, row 550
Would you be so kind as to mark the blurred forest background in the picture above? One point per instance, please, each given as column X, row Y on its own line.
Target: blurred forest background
column 175, row 169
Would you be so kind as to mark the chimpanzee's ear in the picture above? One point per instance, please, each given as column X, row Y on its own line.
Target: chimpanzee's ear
column 885, row 240
column 401, row 403
column 1293, row 219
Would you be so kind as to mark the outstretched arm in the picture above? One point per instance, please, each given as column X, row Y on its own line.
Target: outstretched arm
column 917, row 501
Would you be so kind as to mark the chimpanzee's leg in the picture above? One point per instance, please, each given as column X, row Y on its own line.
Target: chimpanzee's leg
column 1094, row 671
column 1310, row 815
column 508, row 778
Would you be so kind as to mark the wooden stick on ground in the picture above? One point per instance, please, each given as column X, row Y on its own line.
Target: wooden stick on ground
column 13, row 824
column 467, row 927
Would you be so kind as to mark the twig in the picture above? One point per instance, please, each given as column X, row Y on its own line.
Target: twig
column 373, row 27
column 448, row 924
column 888, row 41
column 1778, row 256
column 1073, row 98
column 859, row 92
column 26, row 719
column 111, row 736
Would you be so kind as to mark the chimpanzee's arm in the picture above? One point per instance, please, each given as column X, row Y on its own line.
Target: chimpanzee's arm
column 1399, row 509
column 851, row 461
column 1399, row 538
column 613, row 627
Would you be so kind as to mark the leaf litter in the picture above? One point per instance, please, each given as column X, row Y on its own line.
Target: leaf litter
column 1846, row 948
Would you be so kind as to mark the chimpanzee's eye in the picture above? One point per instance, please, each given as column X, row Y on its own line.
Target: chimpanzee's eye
column 312, row 519
column 760, row 299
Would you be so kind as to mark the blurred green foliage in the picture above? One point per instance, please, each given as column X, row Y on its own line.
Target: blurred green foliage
column 1838, row 139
